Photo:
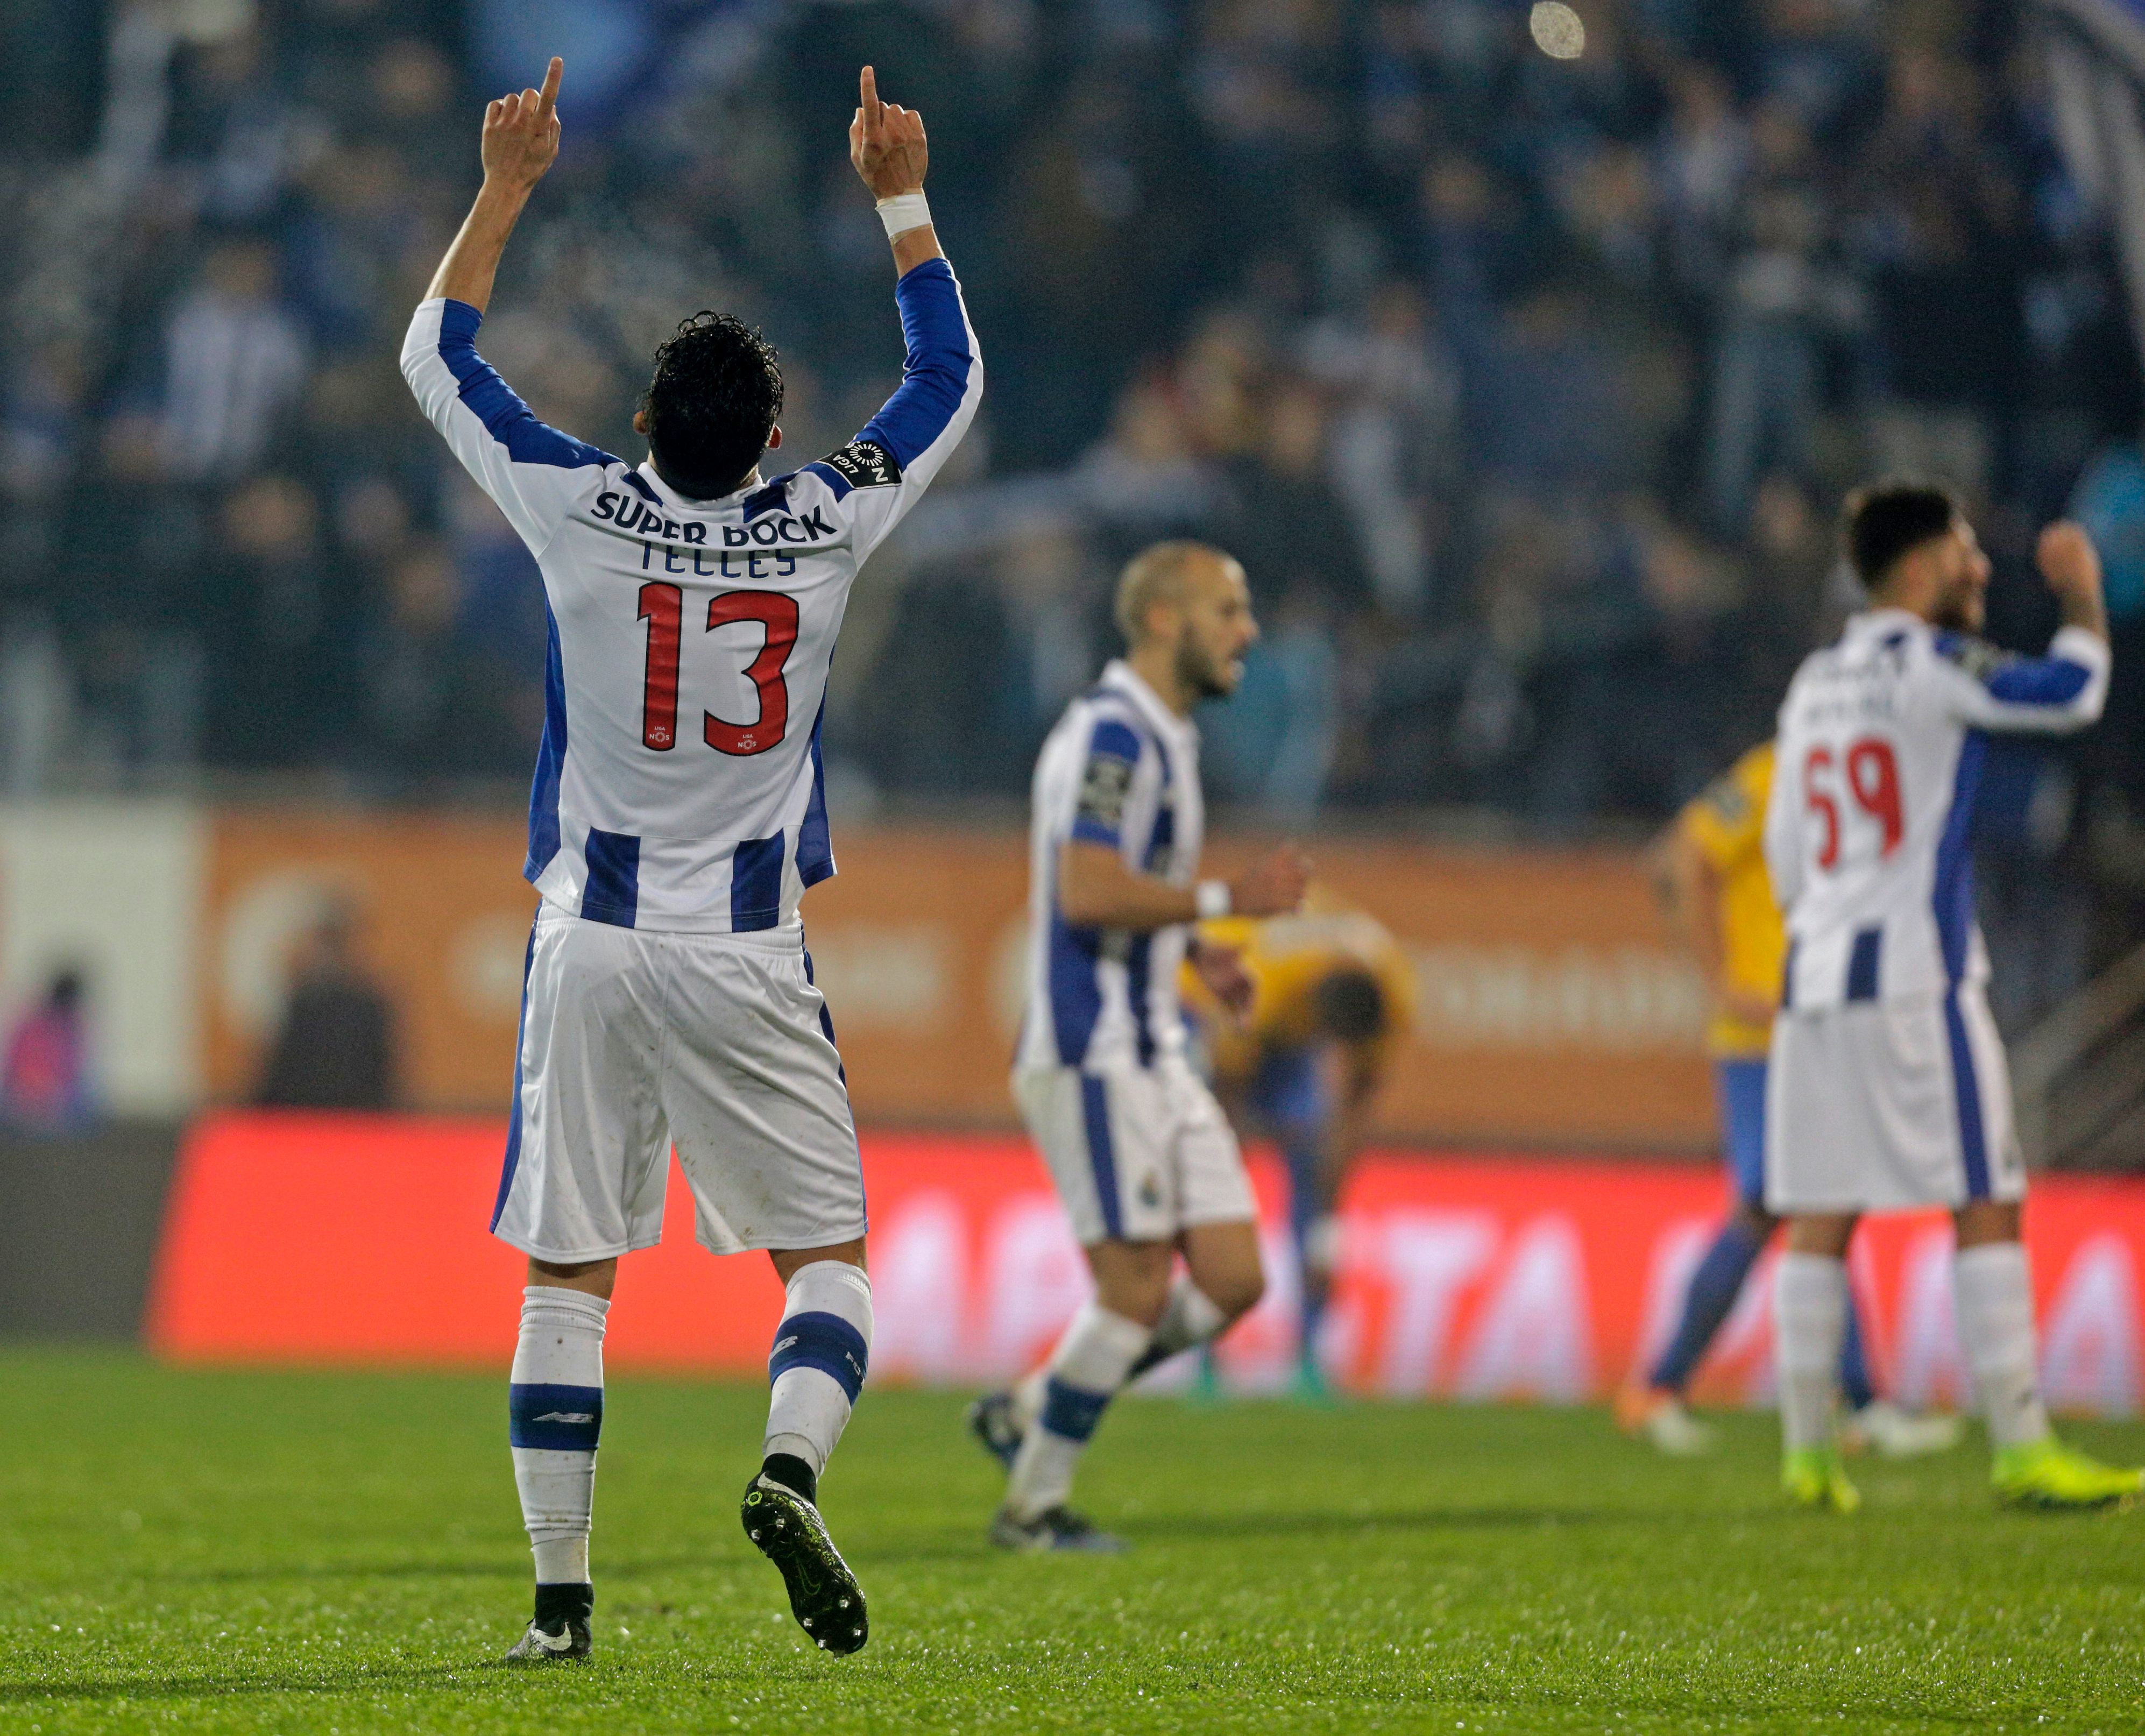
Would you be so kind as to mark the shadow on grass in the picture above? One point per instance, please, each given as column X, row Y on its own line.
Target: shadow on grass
column 356, row 1570
column 1424, row 1518
column 356, row 1680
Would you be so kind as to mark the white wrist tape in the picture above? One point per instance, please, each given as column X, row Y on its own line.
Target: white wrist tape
column 1211, row 899
column 904, row 213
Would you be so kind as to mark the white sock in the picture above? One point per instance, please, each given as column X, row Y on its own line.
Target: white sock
column 822, row 1350
column 1086, row 1370
column 1189, row 1318
column 1993, row 1288
column 555, row 1412
column 1809, row 1324
column 1028, row 1392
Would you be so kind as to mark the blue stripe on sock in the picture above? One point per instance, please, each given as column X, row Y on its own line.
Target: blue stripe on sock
column 1854, row 1383
column 823, row 1342
column 1071, row 1411
column 554, row 1419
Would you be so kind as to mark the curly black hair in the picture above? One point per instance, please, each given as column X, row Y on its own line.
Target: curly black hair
column 1890, row 518
column 711, row 404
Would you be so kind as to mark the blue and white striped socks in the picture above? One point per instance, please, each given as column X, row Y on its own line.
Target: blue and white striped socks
column 1091, row 1363
column 555, row 1412
column 822, row 1350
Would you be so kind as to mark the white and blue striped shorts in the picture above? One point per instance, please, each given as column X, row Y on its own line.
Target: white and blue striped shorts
column 1137, row 1153
column 1888, row 1105
column 635, row 1039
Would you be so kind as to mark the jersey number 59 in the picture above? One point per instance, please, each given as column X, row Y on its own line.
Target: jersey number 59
column 1872, row 780
column 662, row 606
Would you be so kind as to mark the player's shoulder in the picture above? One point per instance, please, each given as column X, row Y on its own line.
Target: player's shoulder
column 1112, row 720
column 1975, row 657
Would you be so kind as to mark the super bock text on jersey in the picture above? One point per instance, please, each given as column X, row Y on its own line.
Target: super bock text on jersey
column 679, row 810
column 679, row 785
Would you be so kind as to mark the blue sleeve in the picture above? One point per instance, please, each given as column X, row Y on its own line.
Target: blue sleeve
column 935, row 374
column 533, row 472
column 1988, row 688
column 2038, row 681
column 1113, row 754
column 505, row 418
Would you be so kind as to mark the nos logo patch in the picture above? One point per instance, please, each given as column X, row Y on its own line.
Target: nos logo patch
column 865, row 464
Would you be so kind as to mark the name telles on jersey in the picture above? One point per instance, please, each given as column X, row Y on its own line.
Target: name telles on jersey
column 769, row 532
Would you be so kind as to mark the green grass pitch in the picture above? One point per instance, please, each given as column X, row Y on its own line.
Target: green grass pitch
column 333, row 1554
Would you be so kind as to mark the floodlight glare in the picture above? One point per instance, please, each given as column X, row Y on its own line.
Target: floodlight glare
column 1558, row 31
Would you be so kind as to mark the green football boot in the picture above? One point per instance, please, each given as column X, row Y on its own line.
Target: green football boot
column 2045, row 1473
column 1812, row 1477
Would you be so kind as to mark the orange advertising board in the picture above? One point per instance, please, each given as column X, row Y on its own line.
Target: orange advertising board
column 1553, row 1007
column 1465, row 1276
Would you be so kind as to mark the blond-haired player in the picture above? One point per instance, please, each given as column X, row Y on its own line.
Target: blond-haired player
column 1141, row 1155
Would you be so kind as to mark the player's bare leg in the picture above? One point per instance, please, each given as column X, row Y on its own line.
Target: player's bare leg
column 1140, row 1316
column 1994, row 1302
column 555, row 1412
column 1061, row 1404
column 822, row 1350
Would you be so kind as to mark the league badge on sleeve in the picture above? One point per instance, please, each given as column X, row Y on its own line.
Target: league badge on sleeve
column 865, row 464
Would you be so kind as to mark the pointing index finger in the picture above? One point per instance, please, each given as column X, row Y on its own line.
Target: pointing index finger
column 550, row 99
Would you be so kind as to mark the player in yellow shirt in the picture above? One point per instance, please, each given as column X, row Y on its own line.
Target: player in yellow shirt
column 1300, row 1054
column 1711, row 865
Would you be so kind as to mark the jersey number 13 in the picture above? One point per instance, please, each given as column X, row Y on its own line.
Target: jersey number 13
column 662, row 606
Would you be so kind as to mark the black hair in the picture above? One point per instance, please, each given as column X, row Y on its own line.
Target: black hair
column 711, row 404
column 1890, row 518
column 1349, row 1006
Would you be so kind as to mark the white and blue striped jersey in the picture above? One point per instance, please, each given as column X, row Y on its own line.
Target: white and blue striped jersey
column 679, row 785
column 1881, row 742
column 1120, row 768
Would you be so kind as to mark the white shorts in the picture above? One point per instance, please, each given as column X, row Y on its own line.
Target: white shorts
column 1137, row 1153
column 1884, row 1105
column 632, row 1041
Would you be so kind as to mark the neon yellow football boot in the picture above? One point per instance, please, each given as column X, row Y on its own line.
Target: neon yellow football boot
column 1812, row 1477
column 2045, row 1473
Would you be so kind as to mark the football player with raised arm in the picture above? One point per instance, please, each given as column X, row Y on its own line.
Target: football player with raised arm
column 1886, row 1088
column 679, row 811
column 1711, row 871
column 1141, row 1155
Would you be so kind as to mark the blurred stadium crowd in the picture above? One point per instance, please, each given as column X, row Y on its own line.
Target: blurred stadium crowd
column 1525, row 387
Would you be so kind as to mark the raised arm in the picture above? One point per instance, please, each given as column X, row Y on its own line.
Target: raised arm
column 2063, row 691
column 533, row 472
column 885, row 470
column 887, row 144
column 520, row 142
